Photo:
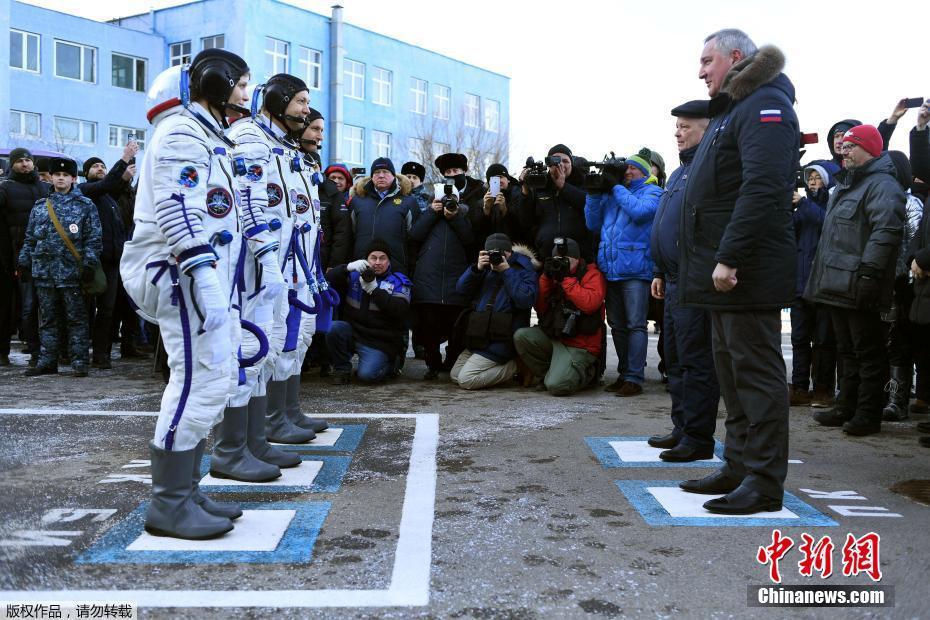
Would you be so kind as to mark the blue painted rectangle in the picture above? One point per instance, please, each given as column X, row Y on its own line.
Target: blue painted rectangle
column 348, row 442
column 655, row 515
column 329, row 480
column 295, row 547
column 609, row 458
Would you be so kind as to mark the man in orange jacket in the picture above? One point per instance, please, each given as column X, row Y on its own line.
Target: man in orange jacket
column 564, row 346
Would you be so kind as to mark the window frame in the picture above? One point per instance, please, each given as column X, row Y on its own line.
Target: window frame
column 437, row 102
column 476, row 108
column 22, row 124
column 495, row 105
column 81, row 123
column 377, row 133
column 83, row 48
column 119, row 129
column 172, row 57
column 277, row 55
column 348, row 141
column 347, row 63
column 25, row 50
column 415, row 81
column 308, row 66
column 378, row 83
column 213, row 36
column 135, row 72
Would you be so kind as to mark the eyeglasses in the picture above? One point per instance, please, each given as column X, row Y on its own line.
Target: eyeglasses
column 847, row 147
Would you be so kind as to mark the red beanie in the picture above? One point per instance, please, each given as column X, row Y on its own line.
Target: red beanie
column 867, row 137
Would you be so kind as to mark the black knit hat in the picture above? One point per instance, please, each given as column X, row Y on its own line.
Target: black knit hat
column 62, row 164
column 496, row 170
column 382, row 163
column 412, row 167
column 314, row 115
column 42, row 164
column 377, row 245
column 451, row 160
column 19, row 153
column 88, row 163
column 572, row 250
column 498, row 241
column 560, row 148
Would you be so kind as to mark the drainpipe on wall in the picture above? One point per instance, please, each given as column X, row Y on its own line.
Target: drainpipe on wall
column 336, row 54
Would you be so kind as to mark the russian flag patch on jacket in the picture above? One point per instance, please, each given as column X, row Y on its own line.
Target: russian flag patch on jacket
column 770, row 116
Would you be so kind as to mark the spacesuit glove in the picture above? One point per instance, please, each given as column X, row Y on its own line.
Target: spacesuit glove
column 214, row 304
column 358, row 265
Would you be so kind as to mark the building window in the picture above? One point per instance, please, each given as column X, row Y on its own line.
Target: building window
column 383, row 81
column 25, row 124
column 217, row 41
column 74, row 131
column 441, row 99
column 180, row 53
column 472, row 110
column 275, row 56
column 492, row 115
column 311, row 66
column 440, row 148
column 418, row 95
column 352, row 141
column 354, row 78
column 75, row 61
column 24, row 50
column 128, row 72
column 381, row 141
column 416, row 148
column 119, row 136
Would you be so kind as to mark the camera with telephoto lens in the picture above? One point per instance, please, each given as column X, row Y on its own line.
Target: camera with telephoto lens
column 603, row 175
column 538, row 171
column 367, row 274
column 496, row 257
column 450, row 202
column 557, row 267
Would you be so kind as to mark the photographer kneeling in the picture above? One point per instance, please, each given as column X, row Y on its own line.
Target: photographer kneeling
column 374, row 311
column 564, row 347
column 502, row 288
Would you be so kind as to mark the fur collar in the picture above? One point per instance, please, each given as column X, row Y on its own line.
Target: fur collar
column 519, row 248
column 360, row 188
column 746, row 76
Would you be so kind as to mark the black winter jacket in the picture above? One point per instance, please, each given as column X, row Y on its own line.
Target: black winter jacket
column 444, row 253
column 552, row 213
column 666, row 229
column 861, row 235
column 737, row 203
column 104, row 193
column 388, row 219
column 337, row 225
column 920, row 247
column 18, row 194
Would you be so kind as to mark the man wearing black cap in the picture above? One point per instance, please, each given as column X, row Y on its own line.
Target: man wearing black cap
column 499, row 211
column 558, row 209
column 689, row 361
column 421, row 192
column 102, row 188
column 57, row 272
column 564, row 347
column 18, row 194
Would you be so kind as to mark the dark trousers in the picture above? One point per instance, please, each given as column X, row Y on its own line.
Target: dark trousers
column 860, row 341
column 753, row 383
column 8, row 321
column 813, row 346
column 689, row 362
column 70, row 302
column 100, row 314
column 29, row 314
column 435, row 323
column 126, row 323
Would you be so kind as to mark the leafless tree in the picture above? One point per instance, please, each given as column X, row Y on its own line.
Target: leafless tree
column 431, row 137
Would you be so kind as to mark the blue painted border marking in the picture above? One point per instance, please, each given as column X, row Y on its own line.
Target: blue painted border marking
column 609, row 458
column 348, row 441
column 295, row 547
column 329, row 480
column 655, row 515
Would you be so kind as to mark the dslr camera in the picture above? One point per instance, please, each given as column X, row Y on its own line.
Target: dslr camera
column 539, row 171
column 603, row 175
column 367, row 274
column 558, row 266
column 496, row 257
column 450, row 202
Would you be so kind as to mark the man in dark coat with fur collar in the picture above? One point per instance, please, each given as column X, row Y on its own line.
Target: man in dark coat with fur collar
column 738, row 261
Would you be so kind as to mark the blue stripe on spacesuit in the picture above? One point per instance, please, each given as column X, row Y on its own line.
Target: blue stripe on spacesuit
column 188, row 358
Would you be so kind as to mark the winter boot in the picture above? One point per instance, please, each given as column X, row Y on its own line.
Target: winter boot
column 220, row 509
column 172, row 511
column 899, row 390
column 231, row 457
column 823, row 397
column 798, row 396
column 861, row 425
column 832, row 417
column 278, row 428
column 258, row 445
column 292, row 406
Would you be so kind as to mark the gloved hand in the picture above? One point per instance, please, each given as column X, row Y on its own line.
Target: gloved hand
column 358, row 265
column 868, row 293
column 87, row 274
column 272, row 278
column 369, row 287
column 213, row 302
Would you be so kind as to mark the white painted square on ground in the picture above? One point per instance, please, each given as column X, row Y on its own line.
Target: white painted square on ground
column 301, row 476
column 677, row 503
column 328, row 438
column 256, row 530
column 642, row 452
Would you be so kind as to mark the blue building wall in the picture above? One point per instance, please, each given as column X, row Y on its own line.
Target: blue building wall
column 98, row 102
column 4, row 69
column 245, row 26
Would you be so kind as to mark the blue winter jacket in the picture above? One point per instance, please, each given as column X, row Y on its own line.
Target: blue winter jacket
column 624, row 218
column 808, row 220
column 516, row 295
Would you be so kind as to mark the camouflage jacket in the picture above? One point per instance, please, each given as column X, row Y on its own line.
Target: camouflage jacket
column 44, row 252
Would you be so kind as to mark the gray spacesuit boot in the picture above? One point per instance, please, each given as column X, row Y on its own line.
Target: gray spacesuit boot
column 292, row 405
column 231, row 457
column 258, row 444
column 172, row 511
column 220, row 509
column 278, row 428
